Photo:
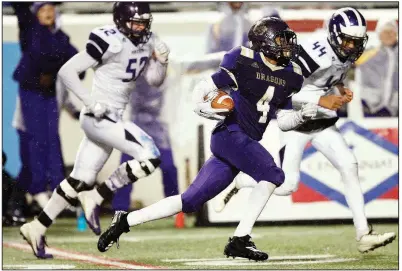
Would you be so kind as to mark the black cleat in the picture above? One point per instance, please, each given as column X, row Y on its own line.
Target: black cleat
column 243, row 247
column 111, row 235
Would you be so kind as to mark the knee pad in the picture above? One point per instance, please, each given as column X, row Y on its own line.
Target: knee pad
column 273, row 175
column 69, row 189
column 290, row 185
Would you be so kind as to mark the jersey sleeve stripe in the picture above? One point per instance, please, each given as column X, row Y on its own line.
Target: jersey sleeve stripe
column 232, row 77
column 94, row 52
column 103, row 45
column 306, row 63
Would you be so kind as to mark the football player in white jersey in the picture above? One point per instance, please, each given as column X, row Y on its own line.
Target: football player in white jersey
column 118, row 54
column 325, row 60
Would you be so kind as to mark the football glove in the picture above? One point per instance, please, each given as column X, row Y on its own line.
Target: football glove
column 205, row 110
column 98, row 109
column 161, row 51
column 309, row 111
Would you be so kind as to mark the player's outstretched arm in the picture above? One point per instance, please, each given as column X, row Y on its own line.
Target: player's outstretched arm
column 291, row 119
column 69, row 75
column 155, row 73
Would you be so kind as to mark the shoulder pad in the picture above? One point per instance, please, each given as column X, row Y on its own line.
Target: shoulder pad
column 247, row 52
column 230, row 58
column 109, row 35
column 319, row 50
column 296, row 68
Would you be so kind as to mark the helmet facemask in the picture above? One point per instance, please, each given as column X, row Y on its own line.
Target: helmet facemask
column 282, row 48
column 127, row 27
column 349, row 47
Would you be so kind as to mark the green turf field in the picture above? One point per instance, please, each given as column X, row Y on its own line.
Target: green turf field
column 159, row 244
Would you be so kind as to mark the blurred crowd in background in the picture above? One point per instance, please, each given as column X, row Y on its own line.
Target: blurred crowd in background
column 40, row 97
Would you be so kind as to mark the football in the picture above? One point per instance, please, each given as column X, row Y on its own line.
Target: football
column 220, row 100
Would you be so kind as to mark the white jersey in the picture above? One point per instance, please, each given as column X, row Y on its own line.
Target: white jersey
column 322, row 70
column 120, row 64
column 321, row 67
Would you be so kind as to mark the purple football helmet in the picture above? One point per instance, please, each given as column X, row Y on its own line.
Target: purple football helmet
column 274, row 38
column 125, row 14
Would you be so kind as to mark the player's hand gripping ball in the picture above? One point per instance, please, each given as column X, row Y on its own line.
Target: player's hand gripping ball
column 220, row 100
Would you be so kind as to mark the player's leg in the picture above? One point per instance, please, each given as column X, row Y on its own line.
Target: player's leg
column 213, row 177
column 291, row 155
column 331, row 143
column 90, row 159
column 121, row 200
column 250, row 157
column 128, row 138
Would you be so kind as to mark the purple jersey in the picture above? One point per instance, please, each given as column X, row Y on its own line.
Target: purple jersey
column 259, row 89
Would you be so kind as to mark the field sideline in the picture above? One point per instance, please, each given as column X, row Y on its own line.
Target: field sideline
column 160, row 245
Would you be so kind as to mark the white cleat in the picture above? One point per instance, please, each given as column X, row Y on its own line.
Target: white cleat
column 91, row 211
column 221, row 202
column 37, row 241
column 373, row 240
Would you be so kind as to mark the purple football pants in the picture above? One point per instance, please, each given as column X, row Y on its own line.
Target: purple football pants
column 40, row 148
column 233, row 151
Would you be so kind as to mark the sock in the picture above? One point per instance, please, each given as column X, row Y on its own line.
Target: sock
column 258, row 199
column 354, row 198
column 244, row 180
column 104, row 192
column 57, row 203
column 161, row 209
column 42, row 199
column 39, row 226
column 95, row 195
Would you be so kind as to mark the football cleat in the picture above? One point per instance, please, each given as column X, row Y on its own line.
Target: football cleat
column 91, row 211
column 221, row 202
column 243, row 247
column 36, row 240
column 373, row 240
column 112, row 234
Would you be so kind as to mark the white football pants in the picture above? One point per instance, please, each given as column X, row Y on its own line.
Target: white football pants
column 329, row 142
column 102, row 136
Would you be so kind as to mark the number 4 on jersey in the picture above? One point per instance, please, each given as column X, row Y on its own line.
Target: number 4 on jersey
column 263, row 104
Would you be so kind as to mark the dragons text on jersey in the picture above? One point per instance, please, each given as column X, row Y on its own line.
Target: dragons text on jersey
column 260, row 89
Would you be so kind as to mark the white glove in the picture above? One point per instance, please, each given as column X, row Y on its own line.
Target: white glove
column 161, row 51
column 309, row 111
column 98, row 109
column 205, row 110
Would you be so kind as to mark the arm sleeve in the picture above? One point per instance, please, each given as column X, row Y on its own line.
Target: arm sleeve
column 63, row 98
column 306, row 96
column 155, row 73
column 72, row 51
column 68, row 74
column 225, row 76
column 288, row 119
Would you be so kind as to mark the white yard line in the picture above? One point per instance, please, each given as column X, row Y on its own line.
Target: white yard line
column 271, row 258
column 87, row 258
column 252, row 263
column 38, row 266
